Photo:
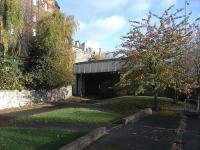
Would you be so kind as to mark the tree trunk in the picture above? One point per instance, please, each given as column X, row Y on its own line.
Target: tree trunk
column 156, row 101
column 198, row 103
column 185, row 105
column 175, row 95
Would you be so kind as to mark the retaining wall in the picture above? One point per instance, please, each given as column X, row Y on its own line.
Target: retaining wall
column 15, row 98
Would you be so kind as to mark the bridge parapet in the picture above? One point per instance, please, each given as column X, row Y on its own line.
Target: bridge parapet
column 109, row 65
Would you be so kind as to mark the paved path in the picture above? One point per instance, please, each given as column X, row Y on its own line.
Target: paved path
column 150, row 133
column 191, row 138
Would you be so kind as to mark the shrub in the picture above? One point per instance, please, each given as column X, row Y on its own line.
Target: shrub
column 10, row 74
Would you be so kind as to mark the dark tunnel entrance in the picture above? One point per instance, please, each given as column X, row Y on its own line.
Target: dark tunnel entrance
column 97, row 85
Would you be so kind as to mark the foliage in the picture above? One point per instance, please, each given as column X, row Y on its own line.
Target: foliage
column 12, row 21
column 52, row 55
column 192, row 64
column 187, row 83
column 194, row 53
column 155, row 53
column 10, row 74
column 12, row 24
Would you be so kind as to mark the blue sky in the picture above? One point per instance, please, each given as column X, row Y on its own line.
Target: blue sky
column 106, row 21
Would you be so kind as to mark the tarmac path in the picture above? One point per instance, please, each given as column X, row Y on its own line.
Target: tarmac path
column 150, row 133
column 191, row 137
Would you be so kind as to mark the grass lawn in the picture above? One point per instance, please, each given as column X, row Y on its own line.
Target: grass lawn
column 32, row 139
column 74, row 115
column 131, row 104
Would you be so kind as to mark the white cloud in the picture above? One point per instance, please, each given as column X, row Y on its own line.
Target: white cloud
column 168, row 3
column 104, row 5
column 139, row 6
column 81, row 25
column 102, row 29
column 92, row 44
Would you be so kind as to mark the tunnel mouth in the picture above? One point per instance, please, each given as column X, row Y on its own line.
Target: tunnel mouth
column 99, row 85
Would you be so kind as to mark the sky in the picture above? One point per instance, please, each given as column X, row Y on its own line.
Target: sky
column 104, row 22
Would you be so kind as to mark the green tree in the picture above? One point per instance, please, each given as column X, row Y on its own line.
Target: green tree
column 11, row 27
column 10, row 75
column 154, row 51
column 193, row 60
column 52, row 55
column 12, row 23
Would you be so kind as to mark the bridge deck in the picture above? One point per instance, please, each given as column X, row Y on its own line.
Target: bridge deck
column 110, row 65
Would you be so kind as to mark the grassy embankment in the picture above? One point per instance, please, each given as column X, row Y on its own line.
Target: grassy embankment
column 131, row 104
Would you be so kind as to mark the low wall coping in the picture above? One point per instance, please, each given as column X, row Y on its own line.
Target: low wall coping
column 133, row 118
column 86, row 140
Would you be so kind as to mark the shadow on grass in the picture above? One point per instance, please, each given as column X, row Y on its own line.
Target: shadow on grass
column 131, row 104
column 31, row 139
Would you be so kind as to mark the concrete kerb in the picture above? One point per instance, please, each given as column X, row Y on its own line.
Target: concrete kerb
column 86, row 140
column 178, row 141
column 133, row 118
column 95, row 135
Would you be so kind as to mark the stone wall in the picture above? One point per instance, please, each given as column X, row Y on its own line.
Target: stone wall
column 15, row 98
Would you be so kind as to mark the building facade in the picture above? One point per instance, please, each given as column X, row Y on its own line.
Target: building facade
column 83, row 53
column 89, row 51
column 34, row 10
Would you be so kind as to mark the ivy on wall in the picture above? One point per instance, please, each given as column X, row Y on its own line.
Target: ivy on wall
column 50, row 56
column 12, row 19
column 12, row 24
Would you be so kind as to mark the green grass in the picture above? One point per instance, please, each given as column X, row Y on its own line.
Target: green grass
column 73, row 99
column 35, row 139
column 131, row 104
column 74, row 115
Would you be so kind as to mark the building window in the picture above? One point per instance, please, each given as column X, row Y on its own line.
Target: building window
column 34, row 18
column 45, row 7
column 34, row 32
column 35, row 2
